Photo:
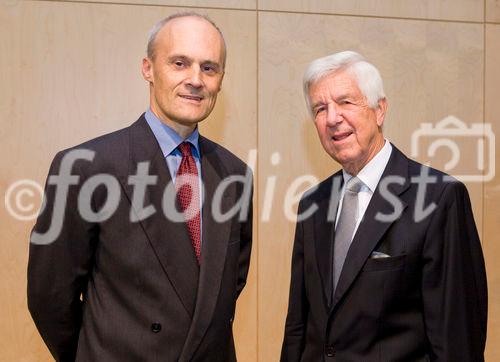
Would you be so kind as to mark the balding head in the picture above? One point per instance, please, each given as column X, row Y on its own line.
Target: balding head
column 153, row 33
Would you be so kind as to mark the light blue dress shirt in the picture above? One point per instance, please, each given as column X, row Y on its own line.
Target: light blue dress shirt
column 169, row 140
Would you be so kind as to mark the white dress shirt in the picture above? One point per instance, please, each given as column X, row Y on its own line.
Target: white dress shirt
column 370, row 176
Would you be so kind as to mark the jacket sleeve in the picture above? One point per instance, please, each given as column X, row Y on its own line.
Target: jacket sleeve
column 298, row 306
column 454, row 286
column 59, row 263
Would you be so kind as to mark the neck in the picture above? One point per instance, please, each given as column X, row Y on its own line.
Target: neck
column 355, row 167
column 181, row 129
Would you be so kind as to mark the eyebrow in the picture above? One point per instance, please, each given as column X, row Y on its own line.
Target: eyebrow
column 342, row 97
column 190, row 60
column 178, row 57
column 317, row 104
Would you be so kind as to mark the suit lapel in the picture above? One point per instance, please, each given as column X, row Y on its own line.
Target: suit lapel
column 169, row 240
column 324, row 229
column 214, row 247
column 371, row 230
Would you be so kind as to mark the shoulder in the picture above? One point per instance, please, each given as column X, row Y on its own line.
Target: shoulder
column 324, row 189
column 438, row 184
column 109, row 143
column 99, row 153
column 232, row 163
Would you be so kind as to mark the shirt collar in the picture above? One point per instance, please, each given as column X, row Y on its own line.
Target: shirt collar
column 373, row 170
column 167, row 138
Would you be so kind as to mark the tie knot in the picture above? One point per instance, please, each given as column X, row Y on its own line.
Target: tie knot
column 185, row 149
column 354, row 185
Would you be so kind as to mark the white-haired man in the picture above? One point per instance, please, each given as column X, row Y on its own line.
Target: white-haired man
column 145, row 283
column 389, row 267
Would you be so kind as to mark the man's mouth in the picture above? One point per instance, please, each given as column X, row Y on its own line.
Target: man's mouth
column 340, row 136
column 191, row 97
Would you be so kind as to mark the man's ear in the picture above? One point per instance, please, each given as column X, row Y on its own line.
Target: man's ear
column 380, row 111
column 147, row 69
column 221, row 79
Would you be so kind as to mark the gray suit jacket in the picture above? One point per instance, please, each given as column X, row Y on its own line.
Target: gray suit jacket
column 122, row 290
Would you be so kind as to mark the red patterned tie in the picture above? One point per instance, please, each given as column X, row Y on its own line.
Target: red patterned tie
column 188, row 195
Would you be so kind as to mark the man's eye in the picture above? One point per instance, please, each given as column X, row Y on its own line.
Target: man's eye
column 179, row 63
column 208, row 68
column 319, row 110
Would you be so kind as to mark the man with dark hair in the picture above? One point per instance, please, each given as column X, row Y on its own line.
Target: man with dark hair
column 137, row 255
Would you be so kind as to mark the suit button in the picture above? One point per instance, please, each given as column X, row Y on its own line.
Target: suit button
column 156, row 327
column 330, row 351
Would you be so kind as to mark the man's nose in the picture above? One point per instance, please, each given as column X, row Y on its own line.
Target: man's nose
column 194, row 78
column 334, row 114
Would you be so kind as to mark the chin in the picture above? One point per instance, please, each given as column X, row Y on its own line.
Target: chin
column 192, row 118
column 345, row 160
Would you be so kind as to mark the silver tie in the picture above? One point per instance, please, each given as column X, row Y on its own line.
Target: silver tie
column 345, row 226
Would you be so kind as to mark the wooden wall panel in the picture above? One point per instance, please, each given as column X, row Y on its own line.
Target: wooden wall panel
column 493, row 11
column 430, row 69
column 464, row 10
column 228, row 4
column 70, row 72
column 491, row 241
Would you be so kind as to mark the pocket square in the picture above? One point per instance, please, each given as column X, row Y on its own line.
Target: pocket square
column 378, row 255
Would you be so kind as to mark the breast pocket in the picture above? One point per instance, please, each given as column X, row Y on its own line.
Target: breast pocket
column 381, row 264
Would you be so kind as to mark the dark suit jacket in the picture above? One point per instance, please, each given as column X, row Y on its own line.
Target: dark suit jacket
column 118, row 290
column 427, row 301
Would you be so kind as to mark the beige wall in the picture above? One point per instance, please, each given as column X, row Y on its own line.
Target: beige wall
column 69, row 71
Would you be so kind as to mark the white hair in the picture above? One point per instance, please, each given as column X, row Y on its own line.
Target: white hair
column 366, row 74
